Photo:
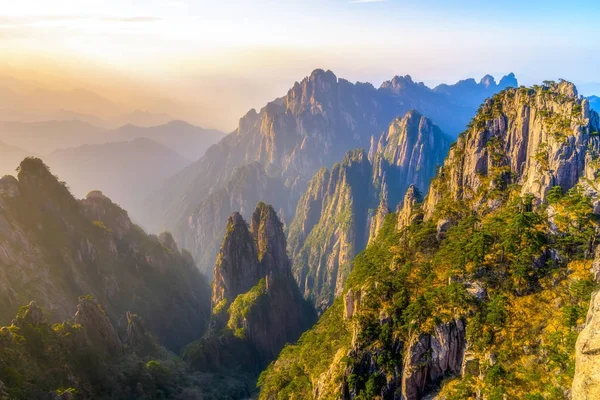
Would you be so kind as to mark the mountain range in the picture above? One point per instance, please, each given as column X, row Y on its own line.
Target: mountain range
column 312, row 126
column 479, row 292
column 393, row 243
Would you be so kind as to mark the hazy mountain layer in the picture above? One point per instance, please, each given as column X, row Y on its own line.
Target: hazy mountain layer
column 55, row 248
column 480, row 291
column 48, row 136
column 312, row 126
column 125, row 171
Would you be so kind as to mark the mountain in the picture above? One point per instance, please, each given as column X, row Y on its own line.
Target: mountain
column 142, row 119
column 343, row 209
column 312, row 126
column 203, row 231
column 479, row 289
column 56, row 248
column 594, row 103
column 125, row 171
column 9, row 157
column 471, row 92
column 87, row 357
column 256, row 305
column 48, row 136
column 188, row 140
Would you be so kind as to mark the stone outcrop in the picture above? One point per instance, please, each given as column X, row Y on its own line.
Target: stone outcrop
column 344, row 209
column 537, row 138
column 432, row 357
column 586, row 381
column 408, row 211
column 56, row 248
column 204, row 228
column 291, row 138
column 254, row 291
column 97, row 328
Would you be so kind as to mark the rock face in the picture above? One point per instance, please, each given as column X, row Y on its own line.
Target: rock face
column 537, row 138
column 203, row 230
column 334, row 221
column 407, row 210
column 313, row 125
column 97, row 327
column 586, row 382
column 254, row 287
column 433, row 357
column 56, row 248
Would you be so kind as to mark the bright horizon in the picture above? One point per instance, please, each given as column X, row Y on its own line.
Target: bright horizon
column 209, row 62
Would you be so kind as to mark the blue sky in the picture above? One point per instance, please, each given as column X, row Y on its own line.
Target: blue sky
column 228, row 45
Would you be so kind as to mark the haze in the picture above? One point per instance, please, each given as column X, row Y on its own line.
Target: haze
column 208, row 62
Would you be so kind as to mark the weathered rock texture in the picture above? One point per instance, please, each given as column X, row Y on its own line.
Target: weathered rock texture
column 254, row 286
column 430, row 358
column 312, row 126
column 55, row 248
column 537, row 138
column 344, row 209
column 586, row 382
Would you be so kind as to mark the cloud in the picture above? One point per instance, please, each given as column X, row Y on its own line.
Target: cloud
column 37, row 19
column 367, row 1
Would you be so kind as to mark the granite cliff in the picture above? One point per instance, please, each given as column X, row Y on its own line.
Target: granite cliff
column 343, row 210
column 312, row 126
column 479, row 289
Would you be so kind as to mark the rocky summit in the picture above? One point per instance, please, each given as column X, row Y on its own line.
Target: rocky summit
column 256, row 305
column 344, row 209
column 314, row 125
column 479, row 289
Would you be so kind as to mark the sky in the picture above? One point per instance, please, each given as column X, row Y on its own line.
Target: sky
column 210, row 61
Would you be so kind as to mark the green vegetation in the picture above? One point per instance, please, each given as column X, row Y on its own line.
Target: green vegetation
column 516, row 272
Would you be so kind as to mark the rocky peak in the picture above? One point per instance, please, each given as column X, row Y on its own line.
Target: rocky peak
column 316, row 93
column 399, row 83
column 98, row 329
column 508, row 81
column 166, row 239
column 533, row 137
column 36, row 180
column 408, row 207
column 9, row 187
column 488, row 81
column 138, row 338
column 237, row 268
column 31, row 314
column 98, row 207
column 267, row 231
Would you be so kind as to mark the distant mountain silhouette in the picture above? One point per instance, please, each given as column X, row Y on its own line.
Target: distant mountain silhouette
column 125, row 171
column 188, row 140
column 47, row 136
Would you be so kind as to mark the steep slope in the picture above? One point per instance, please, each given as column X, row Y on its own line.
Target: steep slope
column 125, row 171
column 312, row 126
column 204, row 229
column 343, row 210
column 188, row 140
column 256, row 305
column 56, row 248
column 84, row 358
column 479, row 292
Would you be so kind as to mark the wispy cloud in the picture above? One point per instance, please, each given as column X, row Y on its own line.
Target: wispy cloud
column 39, row 19
column 367, row 1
